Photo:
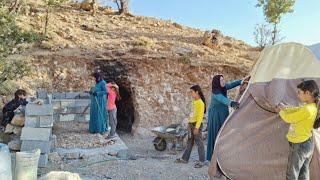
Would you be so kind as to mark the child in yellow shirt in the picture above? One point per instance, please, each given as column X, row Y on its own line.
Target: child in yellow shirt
column 195, row 122
column 301, row 120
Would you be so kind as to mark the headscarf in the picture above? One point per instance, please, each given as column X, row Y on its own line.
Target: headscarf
column 97, row 76
column 216, row 86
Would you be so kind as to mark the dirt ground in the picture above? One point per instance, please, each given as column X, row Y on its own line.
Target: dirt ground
column 150, row 164
column 144, row 163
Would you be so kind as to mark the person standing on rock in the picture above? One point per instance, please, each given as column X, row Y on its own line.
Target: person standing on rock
column 195, row 125
column 98, row 113
column 218, row 109
column 9, row 109
column 113, row 95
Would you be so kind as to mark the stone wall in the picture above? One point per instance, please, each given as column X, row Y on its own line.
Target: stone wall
column 160, row 89
column 69, row 106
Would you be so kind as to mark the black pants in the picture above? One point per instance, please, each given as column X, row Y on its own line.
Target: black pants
column 194, row 139
column 7, row 117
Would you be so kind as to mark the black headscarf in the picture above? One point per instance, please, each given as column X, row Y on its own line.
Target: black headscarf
column 97, row 76
column 216, row 86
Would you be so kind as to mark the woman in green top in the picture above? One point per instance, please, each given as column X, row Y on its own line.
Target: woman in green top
column 218, row 109
column 98, row 113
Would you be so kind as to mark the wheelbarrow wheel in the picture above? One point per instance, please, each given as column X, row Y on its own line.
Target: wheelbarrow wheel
column 160, row 144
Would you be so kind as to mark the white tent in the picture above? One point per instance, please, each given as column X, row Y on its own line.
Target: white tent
column 252, row 142
column 315, row 49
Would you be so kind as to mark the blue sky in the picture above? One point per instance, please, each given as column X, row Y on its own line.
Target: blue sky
column 236, row 18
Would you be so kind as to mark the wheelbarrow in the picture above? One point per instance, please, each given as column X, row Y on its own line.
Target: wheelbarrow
column 174, row 134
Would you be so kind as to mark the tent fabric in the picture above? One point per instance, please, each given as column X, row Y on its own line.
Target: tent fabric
column 252, row 142
column 315, row 49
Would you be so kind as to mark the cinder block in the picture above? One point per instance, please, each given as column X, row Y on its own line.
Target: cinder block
column 46, row 121
column 49, row 97
column 56, row 118
column 39, row 110
column 79, row 118
column 58, row 95
column 78, row 110
column 31, row 121
column 39, row 121
column 82, row 102
column 83, row 95
column 87, row 117
column 36, row 134
column 56, row 104
column 68, row 103
column 44, row 146
column 43, row 160
column 66, row 117
column 122, row 154
column 72, row 95
column 41, row 94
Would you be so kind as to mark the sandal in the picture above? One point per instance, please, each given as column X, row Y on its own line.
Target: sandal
column 179, row 160
column 199, row 165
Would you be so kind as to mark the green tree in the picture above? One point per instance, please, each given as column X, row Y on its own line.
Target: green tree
column 273, row 11
column 50, row 4
column 10, row 36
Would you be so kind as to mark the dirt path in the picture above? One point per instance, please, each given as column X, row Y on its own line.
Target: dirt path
column 150, row 164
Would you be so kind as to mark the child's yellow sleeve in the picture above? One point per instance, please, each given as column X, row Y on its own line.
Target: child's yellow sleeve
column 294, row 115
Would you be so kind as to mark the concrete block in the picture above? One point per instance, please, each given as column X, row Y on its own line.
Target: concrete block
column 79, row 118
column 41, row 94
column 122, row 154
column 82, row 117
column 53, row 142
column 31, row 121
column 36, row 134
column 39, row 121
column 78, row 110
column 49, row 97
column 87, row 117
column 39, row 110
column 56, row 104
column 72, row 95
column 83, row 95
column 56, row 118
column 82, row 102
column 58, row 95
column 68, row 103
column 43, row 160
column 44, row 146
column 46, row 121
column 67, row 117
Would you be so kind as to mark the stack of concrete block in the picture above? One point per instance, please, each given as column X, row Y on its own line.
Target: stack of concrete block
column 42, row 94
column 70, row 95
column 37, row 132
column 71, row 109
column 71, row 106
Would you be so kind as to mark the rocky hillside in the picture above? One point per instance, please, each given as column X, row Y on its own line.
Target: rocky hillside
column 154, row 61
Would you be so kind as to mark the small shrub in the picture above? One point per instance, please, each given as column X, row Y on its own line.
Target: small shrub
column 11, row 34
column 185, row 59
column 144, row 41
